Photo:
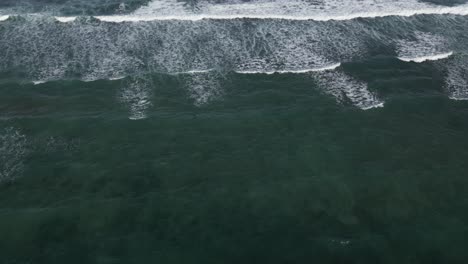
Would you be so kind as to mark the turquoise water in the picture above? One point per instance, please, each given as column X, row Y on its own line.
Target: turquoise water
column 171, row 163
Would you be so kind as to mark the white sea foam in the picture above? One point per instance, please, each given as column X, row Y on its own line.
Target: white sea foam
column 203, row 87
column 13, row 149
column 65, row 19
column 280, row 9
column 318, row 69
column 459, row 98
column 344, row 87
column 195, row 71
column 423, row 47
column 427, row 58
column 38, row 82
column 116, row 78
column 91, row 51
column 323, row 10
column 456, row 81
column 376, row 105
column 136, row 96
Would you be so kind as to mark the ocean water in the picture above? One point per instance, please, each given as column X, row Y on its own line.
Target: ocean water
column 265, row 131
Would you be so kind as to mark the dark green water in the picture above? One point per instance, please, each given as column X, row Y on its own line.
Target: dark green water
column 276, row 172
column 228, row 167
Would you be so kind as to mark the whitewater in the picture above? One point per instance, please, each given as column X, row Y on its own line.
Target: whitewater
column 283, row 37
column 277, row 9
column 318, row 69
column 282, row 9
column 427, row 58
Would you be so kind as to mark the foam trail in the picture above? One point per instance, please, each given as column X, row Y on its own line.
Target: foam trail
column 280, row 9
column 343, row 88
column 203, row 87
column 427, row 58
column 13, row 149
column 324, row 68
column 456, row 81
column 136, row 96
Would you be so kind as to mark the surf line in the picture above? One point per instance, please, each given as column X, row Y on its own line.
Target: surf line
column 324, row 68
column 427, row 58
column 456, row 10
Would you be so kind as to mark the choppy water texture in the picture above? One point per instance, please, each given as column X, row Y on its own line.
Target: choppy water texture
column 266, row 131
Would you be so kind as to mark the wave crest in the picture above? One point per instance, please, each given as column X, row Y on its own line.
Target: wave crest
column 281, row 9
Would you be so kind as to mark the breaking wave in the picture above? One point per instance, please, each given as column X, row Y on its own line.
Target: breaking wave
column 90, row 50
column 278, row 9
column 318, row 69
column 427, row 58
column 423, row 47
column 194, row 40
